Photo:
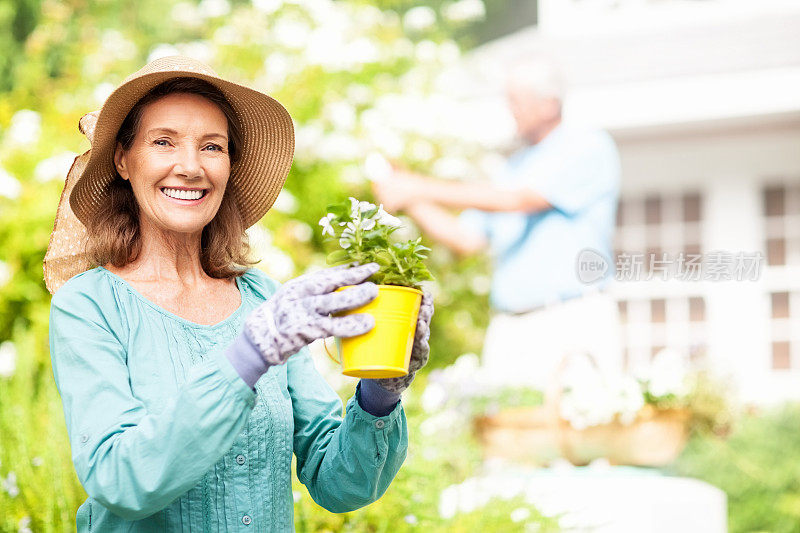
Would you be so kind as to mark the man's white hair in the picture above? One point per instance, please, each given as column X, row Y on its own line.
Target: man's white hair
column 539, row 74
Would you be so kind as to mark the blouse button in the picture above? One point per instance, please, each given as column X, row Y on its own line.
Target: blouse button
column 240, row 459
column 379, row 424
column 246, row 520
column 84, row 438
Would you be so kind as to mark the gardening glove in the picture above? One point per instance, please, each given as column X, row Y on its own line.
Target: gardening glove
column 297, row 314
column 420, row 350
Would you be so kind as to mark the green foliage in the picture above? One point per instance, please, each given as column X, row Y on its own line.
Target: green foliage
column 706, row 400
column 362, row 233
column 505, row 397
column 758, row 467
column 60, row 59
column 412, row 501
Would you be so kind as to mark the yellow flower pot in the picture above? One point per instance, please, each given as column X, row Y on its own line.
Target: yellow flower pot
column 385, row 350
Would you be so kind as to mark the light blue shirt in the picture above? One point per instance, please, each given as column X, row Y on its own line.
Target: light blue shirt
column 535, row 254
column 167, row 436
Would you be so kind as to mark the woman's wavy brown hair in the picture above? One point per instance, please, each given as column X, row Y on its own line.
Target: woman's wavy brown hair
column 113, row 235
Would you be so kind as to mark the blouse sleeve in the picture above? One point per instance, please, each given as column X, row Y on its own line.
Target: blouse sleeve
column 132, row 461
column 345, row 463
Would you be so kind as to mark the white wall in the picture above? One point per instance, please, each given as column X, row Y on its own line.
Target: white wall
column 729, row 166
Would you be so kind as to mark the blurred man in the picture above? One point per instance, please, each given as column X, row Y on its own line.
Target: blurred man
column 554, row 201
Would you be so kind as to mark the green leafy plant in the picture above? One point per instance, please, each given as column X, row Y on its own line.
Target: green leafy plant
column 361, row 232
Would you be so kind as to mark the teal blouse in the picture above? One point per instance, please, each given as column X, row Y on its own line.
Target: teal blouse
column 166, row 436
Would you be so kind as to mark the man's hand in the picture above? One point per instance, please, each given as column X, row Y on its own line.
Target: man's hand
column 405, row 189
column 401, row 190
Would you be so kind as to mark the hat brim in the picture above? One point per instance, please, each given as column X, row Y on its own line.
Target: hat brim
column 256, row 177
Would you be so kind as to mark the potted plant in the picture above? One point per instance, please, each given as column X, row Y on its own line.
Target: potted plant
column 641, row 419
column 361, row 232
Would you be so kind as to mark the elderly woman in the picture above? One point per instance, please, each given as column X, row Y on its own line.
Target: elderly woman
column 185, row 375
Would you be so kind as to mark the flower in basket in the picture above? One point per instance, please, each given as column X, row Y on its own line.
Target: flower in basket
column 360, row 231
column 589, row 398
column 632, row 421
column 666, row 376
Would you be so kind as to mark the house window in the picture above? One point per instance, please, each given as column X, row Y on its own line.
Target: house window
column 781, row 208
column 659, row 228
column 650, row 325
column 784, row 322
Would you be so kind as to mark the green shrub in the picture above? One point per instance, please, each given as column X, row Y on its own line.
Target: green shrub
column 758, row 467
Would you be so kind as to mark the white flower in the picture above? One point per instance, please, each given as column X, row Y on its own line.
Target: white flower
column 448, row 502
column 348, row 236
column 267, row 6
column 341, row 114
column 481, row 284
column 520, row 513
column 434, row 397
column 227, row 35
column 359, row 94
column 278, row 263
column 185, row 14
column 385, row 219
column 422, row 150
column 302, row 231
column 629, row 399
column 367, row 224
column 361, row 51
column 8, row 359
column 667, row 374
column 214, row 8
column 411, row 519
column 25, row 127
column 10, row 484
column 464, row 11
column 587, row 400
column 325, row 222
column 24, row 522
column 426, row 51
column 291, row 32
column 101, row 92
column 162, row 50
column 338, row 146
column 286, row 202
column 10, row 187
column 376, row 167
column 419, row 18
column 356, row 207
column 55, row 167
column 114, row 44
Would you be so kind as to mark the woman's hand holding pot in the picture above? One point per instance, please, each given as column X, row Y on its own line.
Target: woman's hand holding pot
column 298, row 313
column 420, row 350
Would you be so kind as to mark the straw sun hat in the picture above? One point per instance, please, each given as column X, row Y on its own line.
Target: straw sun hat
column 255, row 179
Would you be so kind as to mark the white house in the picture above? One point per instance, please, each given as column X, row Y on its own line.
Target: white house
column 703, row 100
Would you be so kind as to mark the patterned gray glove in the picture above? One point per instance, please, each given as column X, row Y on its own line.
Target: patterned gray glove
column 297, row 314
column 420, row 350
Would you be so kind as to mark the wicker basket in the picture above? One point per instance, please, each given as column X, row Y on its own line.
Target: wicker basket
column 654, row 438
column 523, row 435
column 537, row 435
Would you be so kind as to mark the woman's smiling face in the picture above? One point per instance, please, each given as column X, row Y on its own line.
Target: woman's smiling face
column 178, row 164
